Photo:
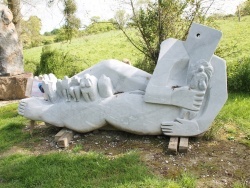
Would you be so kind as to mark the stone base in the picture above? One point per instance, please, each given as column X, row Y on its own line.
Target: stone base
column 13, row 87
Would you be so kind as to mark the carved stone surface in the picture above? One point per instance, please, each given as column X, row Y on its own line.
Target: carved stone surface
column 181, row 98
column 13, row 87
column 11, row 57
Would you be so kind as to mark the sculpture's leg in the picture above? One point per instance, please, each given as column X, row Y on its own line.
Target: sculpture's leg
column 124, row 77
column 78, row 116
column 85, row 96
column 77, row 93
column 72, row 93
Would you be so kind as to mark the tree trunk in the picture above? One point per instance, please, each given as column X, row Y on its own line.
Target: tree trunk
column 239, row 17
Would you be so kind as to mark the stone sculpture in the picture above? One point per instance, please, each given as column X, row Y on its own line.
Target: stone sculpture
column 11, row 57
column 181, row 98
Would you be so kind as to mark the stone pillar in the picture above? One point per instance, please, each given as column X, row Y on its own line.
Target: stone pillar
column 11, row 55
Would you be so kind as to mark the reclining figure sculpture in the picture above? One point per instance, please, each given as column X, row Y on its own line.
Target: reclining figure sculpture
column 181, row 98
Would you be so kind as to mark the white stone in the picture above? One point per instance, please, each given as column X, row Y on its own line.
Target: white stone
column 181, row 98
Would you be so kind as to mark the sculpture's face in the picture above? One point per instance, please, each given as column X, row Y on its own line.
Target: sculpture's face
column 6, row 25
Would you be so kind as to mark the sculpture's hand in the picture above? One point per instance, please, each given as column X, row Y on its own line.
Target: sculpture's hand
column 187, row 98
column 88, row 88
column 180, row 127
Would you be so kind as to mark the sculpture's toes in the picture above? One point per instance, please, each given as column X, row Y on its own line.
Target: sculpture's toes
column 21, row 107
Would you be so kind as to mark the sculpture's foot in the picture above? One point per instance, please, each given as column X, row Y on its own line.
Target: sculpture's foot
column 78, row 116
column 180, row 127
column 33, row 108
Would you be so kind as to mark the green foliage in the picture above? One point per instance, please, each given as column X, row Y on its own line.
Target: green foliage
column 89, row 50
column 72, row 23
column 244, row 8
column 163, row 19
column 99, row 27
column 239, row 76
column 121, row 18
column 31, row 32
column 146, row 64
column 57, row 62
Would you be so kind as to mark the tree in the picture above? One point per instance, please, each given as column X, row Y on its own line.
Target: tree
column 244, row 8
column 31, row 32
column 121, row 17
column 156, row 21
column 72, row 23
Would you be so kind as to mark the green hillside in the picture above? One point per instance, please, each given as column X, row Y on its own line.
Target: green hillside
column 89, row 50
column 236, row 34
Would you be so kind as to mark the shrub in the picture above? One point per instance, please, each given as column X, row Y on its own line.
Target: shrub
column 99, row 27
column 47, row 41
column 239, row 76
column 58, row 62
column 145, row 64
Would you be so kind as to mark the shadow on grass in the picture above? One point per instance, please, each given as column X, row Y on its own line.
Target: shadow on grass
column 75, row 170
column 11, row 134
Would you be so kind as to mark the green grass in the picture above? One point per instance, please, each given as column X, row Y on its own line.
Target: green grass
column 234, row 119
column 69, row 168
column 82, row 170
column 65, row 169
column 235, row 33
column 11, row 125
column 90, row 50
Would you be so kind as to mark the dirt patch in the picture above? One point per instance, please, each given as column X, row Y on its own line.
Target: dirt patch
column 218, row 163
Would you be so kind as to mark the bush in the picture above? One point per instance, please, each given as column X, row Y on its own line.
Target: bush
column 57, row 62
column 145, row 64
column 47, row 41
column 238, row 75
column 100, row 27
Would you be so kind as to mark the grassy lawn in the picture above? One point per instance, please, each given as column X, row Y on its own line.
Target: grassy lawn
column 237, row 34
column 25, row 163
column 20, row 167
column 103, row 160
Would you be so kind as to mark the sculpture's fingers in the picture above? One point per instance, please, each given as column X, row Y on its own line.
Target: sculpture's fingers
column 199, row 93
column 198, row 98
column 166, row 123
column 166, row 129
column 168, row 133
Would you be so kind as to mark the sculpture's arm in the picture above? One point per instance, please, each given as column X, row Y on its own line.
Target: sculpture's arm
column 216, row 94
column 215, row 97
column 181, row 96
